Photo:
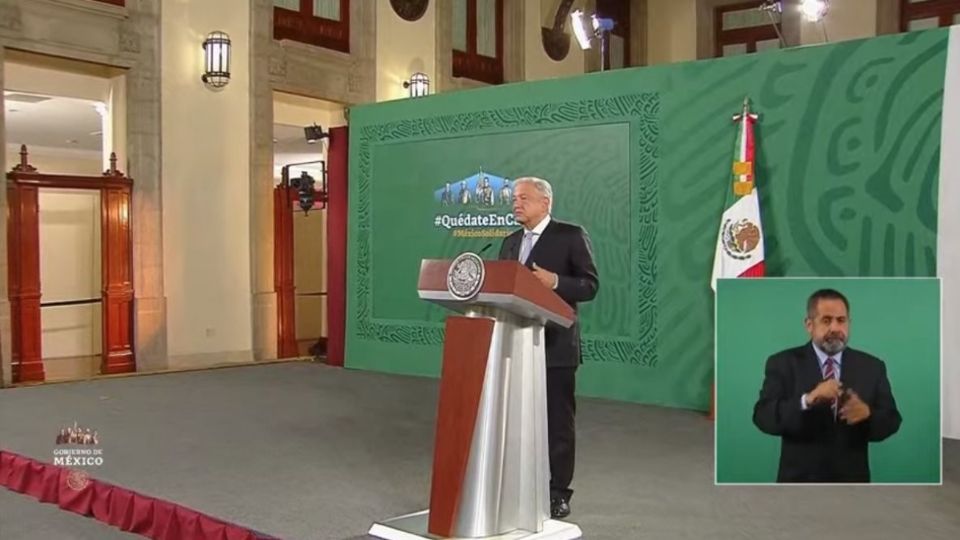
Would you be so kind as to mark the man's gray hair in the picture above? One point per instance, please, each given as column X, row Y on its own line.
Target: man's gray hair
column 542, row 186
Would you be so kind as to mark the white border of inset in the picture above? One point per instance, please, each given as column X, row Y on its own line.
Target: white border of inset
column 716, row 389
column 948, row 229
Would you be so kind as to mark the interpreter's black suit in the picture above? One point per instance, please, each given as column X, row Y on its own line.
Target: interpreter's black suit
column 814, row 446
column 565, row 250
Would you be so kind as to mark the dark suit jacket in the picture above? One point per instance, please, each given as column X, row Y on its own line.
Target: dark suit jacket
column 814, row 447
column 564, row 249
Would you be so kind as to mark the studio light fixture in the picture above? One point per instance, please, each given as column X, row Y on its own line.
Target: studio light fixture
column 580, row 29
column 601, row 30
column 313, row 134
column 309, row 196
column 216, row 60
column 771, row 7
column 418, row 85
column 814, row 10
column 811, row 10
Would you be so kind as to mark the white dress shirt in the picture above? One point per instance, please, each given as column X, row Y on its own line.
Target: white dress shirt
column 537, row 231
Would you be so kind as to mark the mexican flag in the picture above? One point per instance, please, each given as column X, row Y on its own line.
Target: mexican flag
column 740, row 238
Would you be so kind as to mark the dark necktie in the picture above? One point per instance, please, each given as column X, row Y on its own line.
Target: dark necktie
column 830, row 372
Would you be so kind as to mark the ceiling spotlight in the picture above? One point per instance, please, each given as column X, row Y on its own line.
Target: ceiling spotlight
column 813, row 10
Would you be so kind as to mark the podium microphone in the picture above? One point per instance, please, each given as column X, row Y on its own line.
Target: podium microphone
column 484, row 248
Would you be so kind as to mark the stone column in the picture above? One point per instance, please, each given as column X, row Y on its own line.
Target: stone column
column 261, row 180
column 5, row 335
column 141, row 34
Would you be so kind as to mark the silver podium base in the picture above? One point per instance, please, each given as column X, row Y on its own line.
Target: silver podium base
column 414, row 527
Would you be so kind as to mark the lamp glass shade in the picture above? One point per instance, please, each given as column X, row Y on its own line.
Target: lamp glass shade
column 418, row 85
column 216, row 59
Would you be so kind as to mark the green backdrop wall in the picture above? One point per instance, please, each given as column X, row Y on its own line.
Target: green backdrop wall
column 848, row 145
column 896, row 320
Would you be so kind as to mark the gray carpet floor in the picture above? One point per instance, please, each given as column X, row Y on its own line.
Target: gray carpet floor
column 23, row 518
column 301, row 450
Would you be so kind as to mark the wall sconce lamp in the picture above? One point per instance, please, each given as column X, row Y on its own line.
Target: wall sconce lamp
column 216, row 60
column 418, row 85
column 601, row 30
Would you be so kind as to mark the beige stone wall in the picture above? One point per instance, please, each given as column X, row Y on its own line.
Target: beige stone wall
column 672, row 31
column 404, row 48
column 206, row 196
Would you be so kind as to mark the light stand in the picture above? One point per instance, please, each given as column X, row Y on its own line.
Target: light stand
column 602, row 28
column 771, row 7
column 601, row 31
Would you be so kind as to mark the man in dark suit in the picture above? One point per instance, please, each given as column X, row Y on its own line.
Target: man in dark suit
column 825, row 400
column 561, row 257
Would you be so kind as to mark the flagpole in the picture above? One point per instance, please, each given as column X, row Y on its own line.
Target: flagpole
column 739, row 251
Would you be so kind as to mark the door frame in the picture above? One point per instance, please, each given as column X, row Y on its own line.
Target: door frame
column 23, row 254
column 284, row 199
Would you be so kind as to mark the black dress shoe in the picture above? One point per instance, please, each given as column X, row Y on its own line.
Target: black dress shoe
column 559, row 508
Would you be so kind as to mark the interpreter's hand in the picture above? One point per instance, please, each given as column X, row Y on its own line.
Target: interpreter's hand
column 854, row 410
column 825, row 392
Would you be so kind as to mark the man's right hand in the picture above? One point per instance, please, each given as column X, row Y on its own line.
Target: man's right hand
column 825, row 392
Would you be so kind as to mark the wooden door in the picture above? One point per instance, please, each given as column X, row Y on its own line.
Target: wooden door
column 117, row 269
column 23, row 256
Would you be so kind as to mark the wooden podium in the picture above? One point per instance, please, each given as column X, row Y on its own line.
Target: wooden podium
column 491, row 473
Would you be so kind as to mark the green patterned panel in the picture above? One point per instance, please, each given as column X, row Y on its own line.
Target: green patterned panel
column 847, row 157
column 847, row 154
column 592, row 188
column 603, row 169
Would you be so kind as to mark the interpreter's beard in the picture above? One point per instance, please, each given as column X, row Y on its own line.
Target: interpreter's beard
column 833, row 343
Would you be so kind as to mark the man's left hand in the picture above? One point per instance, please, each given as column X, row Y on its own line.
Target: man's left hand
column 548, row 278
column 854, row 410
